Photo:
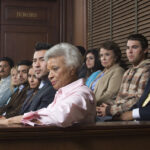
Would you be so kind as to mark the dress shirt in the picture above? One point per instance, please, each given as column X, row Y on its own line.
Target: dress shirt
column 95, row 81
column 41, row 84
column 21, row 87
column 136, row 113
column 91, row 78
column 72, row 104
column 5, row 90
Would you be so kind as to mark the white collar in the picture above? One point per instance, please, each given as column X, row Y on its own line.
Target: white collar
column 41, row 84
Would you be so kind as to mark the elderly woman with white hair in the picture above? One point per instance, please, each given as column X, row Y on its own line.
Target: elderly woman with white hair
column 73, row 103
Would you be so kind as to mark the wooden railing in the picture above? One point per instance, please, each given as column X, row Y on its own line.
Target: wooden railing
column 101, row 136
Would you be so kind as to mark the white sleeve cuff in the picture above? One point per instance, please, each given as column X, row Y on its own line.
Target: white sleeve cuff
column 135, row 113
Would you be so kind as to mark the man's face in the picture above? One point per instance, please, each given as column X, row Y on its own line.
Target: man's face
column 22, row 74
column 59, row 74
column 134, row 52
column 39, row 64
column 4, row 69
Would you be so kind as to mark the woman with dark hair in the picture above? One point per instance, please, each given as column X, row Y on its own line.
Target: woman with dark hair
column 32, row 91
column 92, row 65
column 107, row 83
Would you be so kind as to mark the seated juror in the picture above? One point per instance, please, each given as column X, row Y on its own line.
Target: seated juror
column 134, row 79
column 107, row 83
column 14, row 104
column 73, row 103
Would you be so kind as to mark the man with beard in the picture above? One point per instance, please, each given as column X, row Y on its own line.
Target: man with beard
column 12, row 108
column 46, row 92
column 5, row 90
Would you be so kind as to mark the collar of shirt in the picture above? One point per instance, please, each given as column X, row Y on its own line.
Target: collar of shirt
column 41, row 84
column 21, row 87
column 142, row 64
column 7, row 78
column 71, row 86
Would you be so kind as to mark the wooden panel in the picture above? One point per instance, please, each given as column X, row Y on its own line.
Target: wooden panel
column 25, row 15
column 25, row 22
column 123, row 135
column 18, row 42
column 66, row 20
column 79, row 23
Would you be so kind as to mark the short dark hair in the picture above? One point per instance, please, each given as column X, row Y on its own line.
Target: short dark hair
column 9, row 60
column 42, row 46
column 139, row 37
column 111, row 45
column 25, row 62
column 82, row 50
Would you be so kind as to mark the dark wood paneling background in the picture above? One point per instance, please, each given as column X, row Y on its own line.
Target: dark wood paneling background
column 25, row 22
column 125, row 135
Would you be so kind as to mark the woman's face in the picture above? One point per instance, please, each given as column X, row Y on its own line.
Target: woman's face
column 90, row 60
column 107, row 58
column 14, row 77
column 59, row 74
column 32, row 79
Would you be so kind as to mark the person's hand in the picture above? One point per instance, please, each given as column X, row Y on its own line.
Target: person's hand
column 2, row 117
column 3, row 122
column 15, row 120
column 126, row 116
column 98, row 112
column 101, row 110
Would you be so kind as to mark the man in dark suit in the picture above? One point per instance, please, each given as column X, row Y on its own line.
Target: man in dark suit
column 46, row 92
column 14, row 104
column 141, row 110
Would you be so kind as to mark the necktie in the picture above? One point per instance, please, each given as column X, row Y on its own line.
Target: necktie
column 146, row 101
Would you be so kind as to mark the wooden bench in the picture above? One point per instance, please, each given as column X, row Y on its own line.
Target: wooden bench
column 101, row 136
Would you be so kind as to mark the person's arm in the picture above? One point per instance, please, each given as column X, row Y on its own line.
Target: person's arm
column 5, row 92
column 63, row 113
column 11, row 121
column 122, row 105
column 144, row 113
column 47, row 98
column 5, row 96
column 112, row 87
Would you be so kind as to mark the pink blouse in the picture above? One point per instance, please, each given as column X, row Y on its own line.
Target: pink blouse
column 72, row 104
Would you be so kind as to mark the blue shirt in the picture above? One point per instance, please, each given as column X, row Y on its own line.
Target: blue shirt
column 5, row 90
column 91, row 78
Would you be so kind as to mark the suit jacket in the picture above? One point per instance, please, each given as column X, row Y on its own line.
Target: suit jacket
column 108, row 85
column 29, row 95
column 144, row 111
column 41, row 99
column 14, row 106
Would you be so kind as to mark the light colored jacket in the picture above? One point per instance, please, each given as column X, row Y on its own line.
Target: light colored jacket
column 108, row 85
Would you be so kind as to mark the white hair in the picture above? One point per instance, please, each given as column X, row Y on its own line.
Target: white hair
column 71, row 54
